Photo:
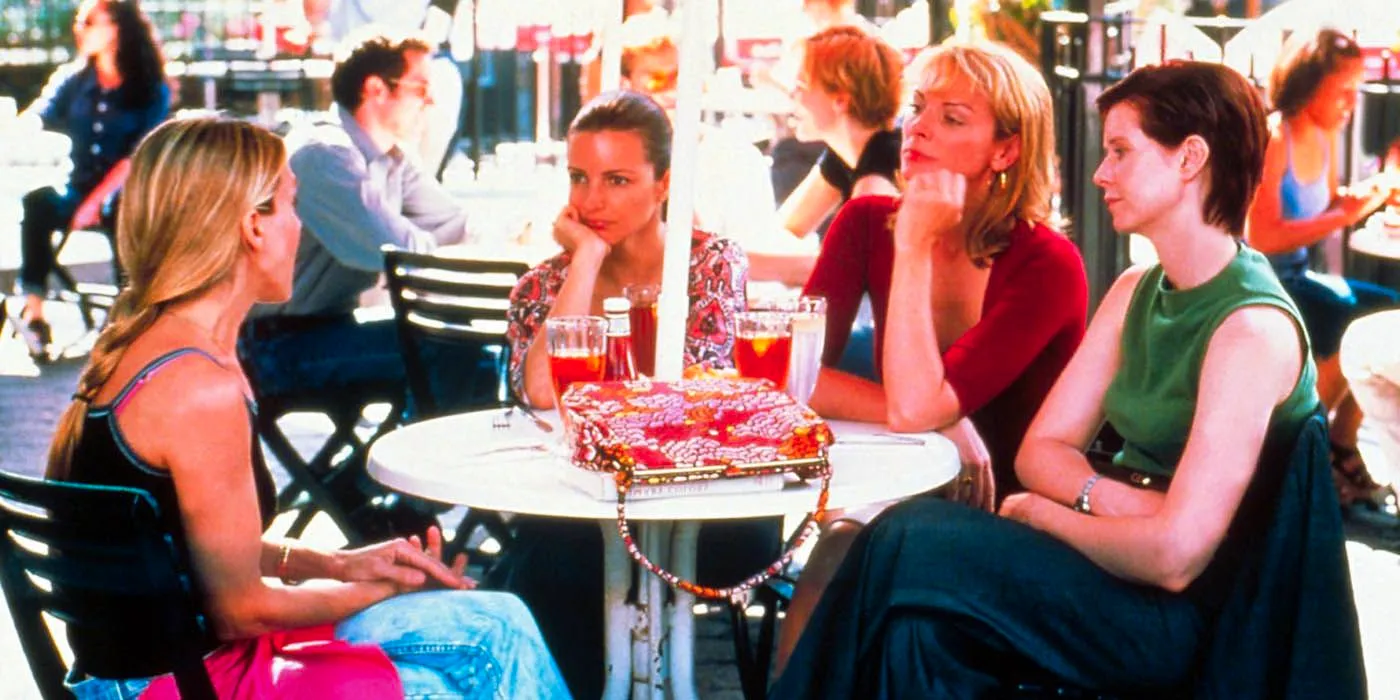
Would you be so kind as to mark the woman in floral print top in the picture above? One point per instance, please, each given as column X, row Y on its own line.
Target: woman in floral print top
column 612, row 234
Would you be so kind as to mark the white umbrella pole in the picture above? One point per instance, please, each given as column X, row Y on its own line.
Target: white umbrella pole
column 674, row 305
column 610, row 56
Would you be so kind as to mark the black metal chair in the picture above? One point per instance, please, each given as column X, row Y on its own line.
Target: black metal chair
column 334, row 479
column 460, row 302
column 53, row 563
column 756, row 659
column 88, row 296
column 455, row 301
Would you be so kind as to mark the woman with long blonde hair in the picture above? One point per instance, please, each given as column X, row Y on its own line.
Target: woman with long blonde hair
column 978, row 303
column 206, row 230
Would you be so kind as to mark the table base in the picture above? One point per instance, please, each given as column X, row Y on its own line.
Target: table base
column 650, row 644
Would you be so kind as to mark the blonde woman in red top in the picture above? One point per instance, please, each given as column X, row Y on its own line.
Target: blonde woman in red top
column 990, row 301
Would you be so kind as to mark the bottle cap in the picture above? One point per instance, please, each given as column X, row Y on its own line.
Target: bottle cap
column 616, row 305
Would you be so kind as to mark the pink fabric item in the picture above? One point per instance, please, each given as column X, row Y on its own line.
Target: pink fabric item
column 304, row 663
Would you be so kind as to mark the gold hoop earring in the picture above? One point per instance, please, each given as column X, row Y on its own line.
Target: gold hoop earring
column 1001, row 180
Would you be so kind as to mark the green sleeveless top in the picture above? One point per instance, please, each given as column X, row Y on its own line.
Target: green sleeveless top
column 1152, row 399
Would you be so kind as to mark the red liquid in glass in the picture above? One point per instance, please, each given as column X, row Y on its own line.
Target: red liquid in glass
column 619, row 364
column 763, row 357
column 643, row 320
column 574, row 367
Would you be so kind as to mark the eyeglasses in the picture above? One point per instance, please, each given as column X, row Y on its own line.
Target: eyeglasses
column 417, row 88
column 659, row 80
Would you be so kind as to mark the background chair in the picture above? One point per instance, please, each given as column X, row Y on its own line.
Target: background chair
column 333, row 479
column 54, row 563
column 457, row 302
column 88, row 296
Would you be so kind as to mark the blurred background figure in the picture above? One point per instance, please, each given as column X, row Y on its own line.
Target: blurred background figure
column 1314, row 89
column 846, row 96
column 106, row 100
column 342, row 20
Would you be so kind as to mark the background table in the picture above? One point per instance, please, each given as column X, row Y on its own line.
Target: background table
column 462, row 459
column 1373, row 240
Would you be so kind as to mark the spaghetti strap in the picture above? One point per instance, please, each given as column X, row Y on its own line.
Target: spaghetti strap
column 149, row 371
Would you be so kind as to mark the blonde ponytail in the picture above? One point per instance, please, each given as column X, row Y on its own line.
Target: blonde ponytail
column 125, row 324
column 191, row 183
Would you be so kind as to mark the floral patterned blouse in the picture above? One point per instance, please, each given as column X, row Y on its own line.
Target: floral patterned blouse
column 719, row 272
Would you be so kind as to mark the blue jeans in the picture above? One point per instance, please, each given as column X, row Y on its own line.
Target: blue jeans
column 1330, row 303
column 445, row 644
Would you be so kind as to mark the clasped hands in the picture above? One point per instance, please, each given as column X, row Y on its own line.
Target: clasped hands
column 408, row 564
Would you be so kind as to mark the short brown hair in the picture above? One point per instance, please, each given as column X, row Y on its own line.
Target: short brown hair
column 848, row 61
column 371, row 54
column 1304, row 63
column 1180, row 98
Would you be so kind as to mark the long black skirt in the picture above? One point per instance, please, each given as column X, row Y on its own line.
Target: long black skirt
column 937, row 600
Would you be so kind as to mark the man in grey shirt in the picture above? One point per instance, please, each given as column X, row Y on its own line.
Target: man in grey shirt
column 356, row 191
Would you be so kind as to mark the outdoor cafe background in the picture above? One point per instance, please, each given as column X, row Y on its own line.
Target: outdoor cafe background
column 526, row 67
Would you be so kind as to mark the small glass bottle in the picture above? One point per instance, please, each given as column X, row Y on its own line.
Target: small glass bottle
column 619, row 364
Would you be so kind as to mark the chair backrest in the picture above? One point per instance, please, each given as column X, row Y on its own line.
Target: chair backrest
column 1288, row 627
column 448, row 300
column 117, row 553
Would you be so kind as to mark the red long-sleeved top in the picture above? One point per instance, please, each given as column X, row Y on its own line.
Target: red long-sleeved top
column 1033, row 318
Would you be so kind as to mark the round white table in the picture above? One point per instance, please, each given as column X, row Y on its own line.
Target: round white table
column 463, row 459
column 1372, row 239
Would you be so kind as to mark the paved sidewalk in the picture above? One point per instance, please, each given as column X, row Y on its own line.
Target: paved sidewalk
column 31, row 401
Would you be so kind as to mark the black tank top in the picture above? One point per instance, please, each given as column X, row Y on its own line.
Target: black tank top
column 880, row 157
column 102, row 456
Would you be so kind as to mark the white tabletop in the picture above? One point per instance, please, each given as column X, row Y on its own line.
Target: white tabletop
column 450, row 459
column 1374, row 239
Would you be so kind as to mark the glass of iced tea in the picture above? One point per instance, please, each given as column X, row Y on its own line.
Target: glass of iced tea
column 763, row 345
column 576, row 350
column 642, row 316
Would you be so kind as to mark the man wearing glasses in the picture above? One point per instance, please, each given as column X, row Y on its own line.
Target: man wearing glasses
column 357, row 190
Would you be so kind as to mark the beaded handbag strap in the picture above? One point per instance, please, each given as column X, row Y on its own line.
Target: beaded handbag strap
column 733, row 593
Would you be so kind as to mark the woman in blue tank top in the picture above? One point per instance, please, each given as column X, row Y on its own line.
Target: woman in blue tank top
column 1313, row 89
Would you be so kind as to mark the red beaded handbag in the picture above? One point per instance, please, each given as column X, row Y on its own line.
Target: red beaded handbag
column 650, row 432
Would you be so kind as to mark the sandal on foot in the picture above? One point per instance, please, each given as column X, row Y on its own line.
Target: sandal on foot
column 1354, row 482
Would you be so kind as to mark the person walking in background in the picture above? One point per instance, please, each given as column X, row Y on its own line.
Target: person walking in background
column 105, row 101
column 208, row 229
column 1313, row 89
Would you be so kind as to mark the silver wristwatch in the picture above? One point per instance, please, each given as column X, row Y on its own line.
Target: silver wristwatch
column 1081, row 504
